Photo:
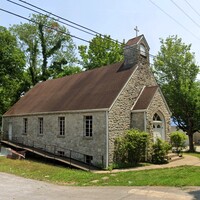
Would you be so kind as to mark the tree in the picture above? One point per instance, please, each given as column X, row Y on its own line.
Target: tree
column 178, row 140
column 176, row 73
column 65, row 71
column 48, row 47
column 12, row 63
column 101, row 51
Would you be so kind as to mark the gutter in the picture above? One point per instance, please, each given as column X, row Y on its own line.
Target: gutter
column 57, row 112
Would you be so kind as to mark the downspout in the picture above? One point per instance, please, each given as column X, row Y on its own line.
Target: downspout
column 1, row 136
column 145, row 122
column 107, row 140
column 145, row 129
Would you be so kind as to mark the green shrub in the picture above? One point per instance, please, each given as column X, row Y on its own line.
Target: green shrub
column 132, row 147
column 178, row 139
column 120, row 153
column 160, row 150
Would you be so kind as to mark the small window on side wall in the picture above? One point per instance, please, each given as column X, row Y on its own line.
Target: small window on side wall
column 61, row 126
column 88, row 159
column 40, row 121
column 88, row 126
column 25, row 125
column 61, row 153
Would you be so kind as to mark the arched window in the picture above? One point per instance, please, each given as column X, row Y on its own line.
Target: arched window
column 156, row 117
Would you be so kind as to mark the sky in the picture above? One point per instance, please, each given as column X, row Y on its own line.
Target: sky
column 154, row 18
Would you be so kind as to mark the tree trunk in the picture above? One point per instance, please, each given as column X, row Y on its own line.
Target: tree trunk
column 191, row 144
column 44, row 53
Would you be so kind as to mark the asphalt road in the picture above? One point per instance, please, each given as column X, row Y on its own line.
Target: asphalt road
column 17, row 188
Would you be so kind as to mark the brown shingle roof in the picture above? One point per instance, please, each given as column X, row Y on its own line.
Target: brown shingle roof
column 137, row 40
column 93, row 89
column 134, row 40
column 145, row 98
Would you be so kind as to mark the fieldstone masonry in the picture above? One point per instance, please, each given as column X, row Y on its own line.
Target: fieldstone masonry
column 137, row 120
column 120, row 113
column 110, row 122
column 73, row 139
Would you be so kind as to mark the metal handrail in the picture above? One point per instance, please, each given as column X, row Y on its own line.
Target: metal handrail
column 27, row 142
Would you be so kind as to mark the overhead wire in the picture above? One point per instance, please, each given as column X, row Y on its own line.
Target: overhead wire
column 33, row 21
column 63, row 19
column 51, row 17
column 185, row 13
column 186, row 29
column 192, row 8
column 76, row 24
column 58, row 16
column 17, row 15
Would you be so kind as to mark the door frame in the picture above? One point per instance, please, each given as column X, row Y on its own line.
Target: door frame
column 159, row 121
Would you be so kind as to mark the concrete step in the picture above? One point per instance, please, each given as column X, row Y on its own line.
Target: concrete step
column 173, row 157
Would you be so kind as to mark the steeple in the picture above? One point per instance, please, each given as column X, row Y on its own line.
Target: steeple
column 136, row 51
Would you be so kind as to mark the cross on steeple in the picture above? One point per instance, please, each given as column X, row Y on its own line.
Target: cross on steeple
column 136, row 30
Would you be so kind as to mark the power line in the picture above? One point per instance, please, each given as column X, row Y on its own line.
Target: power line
column 192, row 7
column 62, row 32
column 58, row 20
column 33, row 21
column 58, row 16
column 63, row 22
column 185, row 13
column 44, row 25
column 174, row 19
column 50, row 17
column 76, row 24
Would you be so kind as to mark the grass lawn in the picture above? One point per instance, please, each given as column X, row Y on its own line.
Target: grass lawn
column 180, row 176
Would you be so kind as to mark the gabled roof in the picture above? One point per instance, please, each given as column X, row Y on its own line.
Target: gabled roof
column 145, row 98
column 93, row 89
column 137, row 40
column 134, row 40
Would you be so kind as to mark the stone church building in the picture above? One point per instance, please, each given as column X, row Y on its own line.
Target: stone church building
column 85, row 112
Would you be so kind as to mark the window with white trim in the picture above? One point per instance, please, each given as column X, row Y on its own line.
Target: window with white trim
column 88, row 126
column 61, row 124
column 157, row 118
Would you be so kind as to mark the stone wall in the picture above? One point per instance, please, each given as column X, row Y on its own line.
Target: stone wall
column 73, row 139
column 137, row 120
column 120, row 113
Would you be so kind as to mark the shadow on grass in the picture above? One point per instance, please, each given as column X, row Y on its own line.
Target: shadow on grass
column 129, row 165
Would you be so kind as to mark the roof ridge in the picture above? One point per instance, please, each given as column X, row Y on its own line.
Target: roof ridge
column 86, row 71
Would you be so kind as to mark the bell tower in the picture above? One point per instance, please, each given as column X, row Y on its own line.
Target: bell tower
column 136, row 51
